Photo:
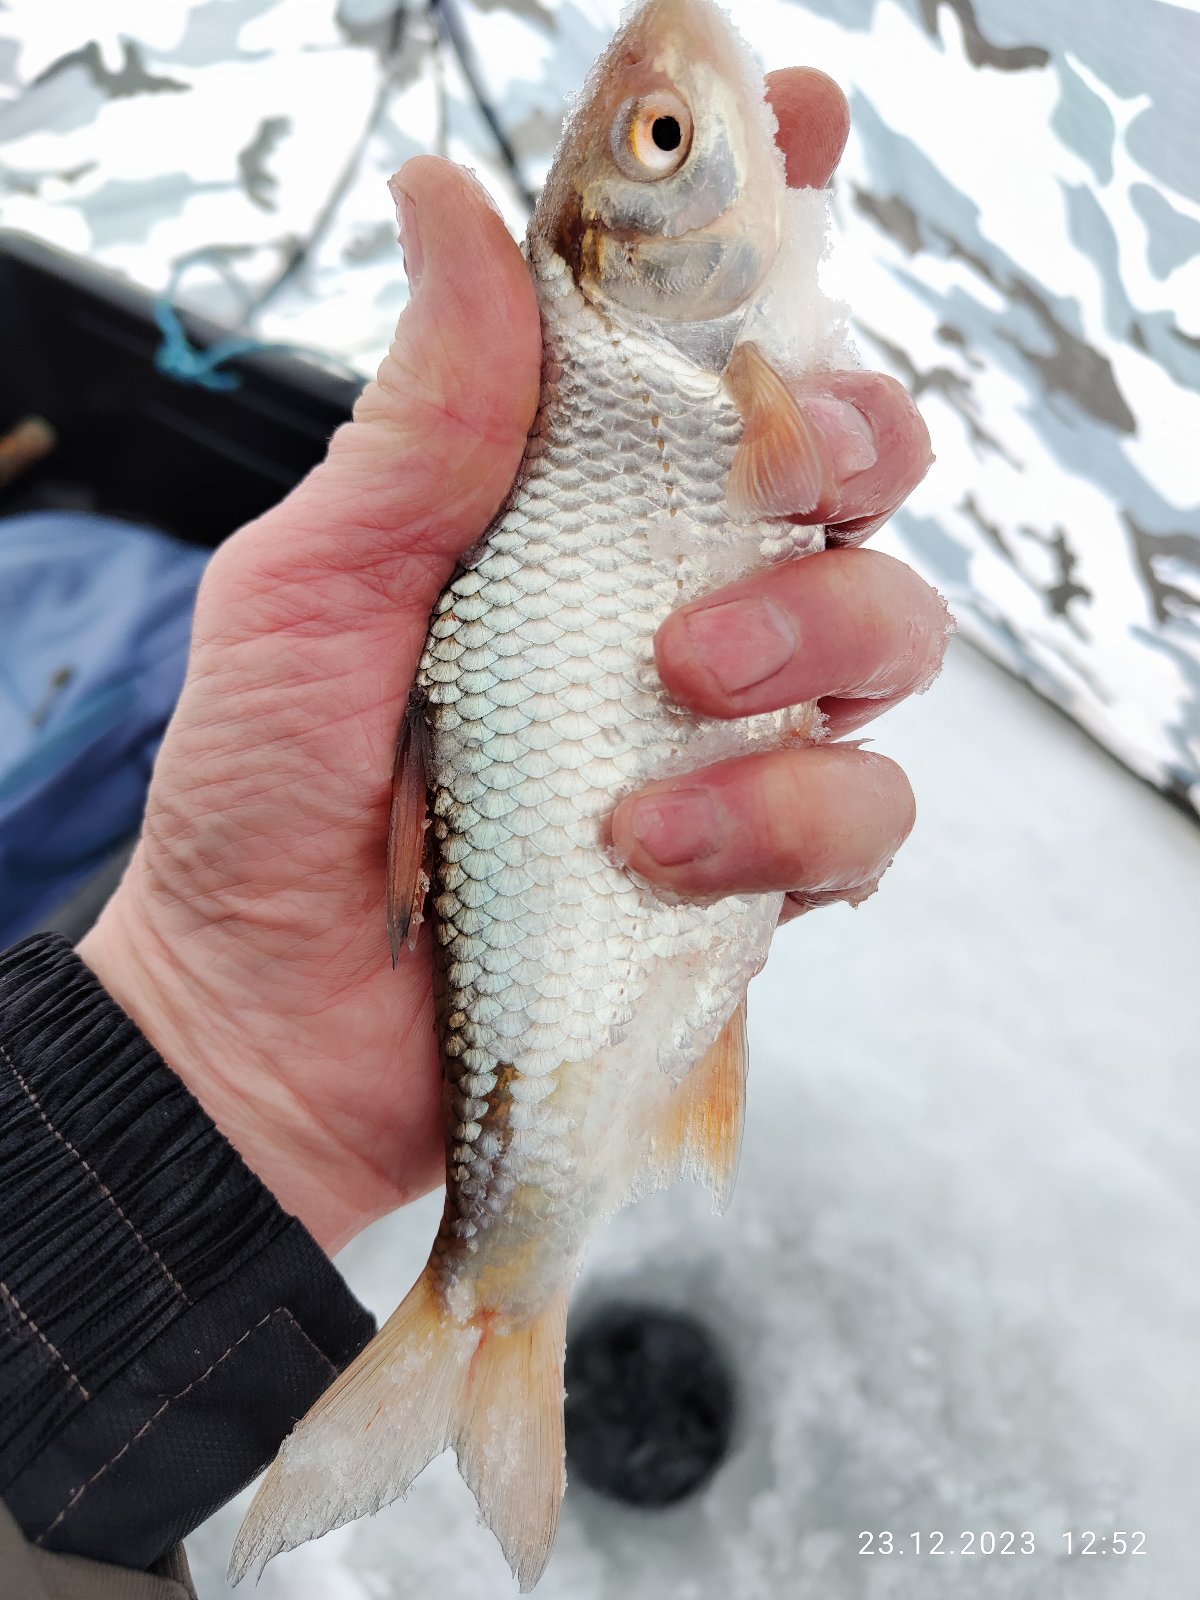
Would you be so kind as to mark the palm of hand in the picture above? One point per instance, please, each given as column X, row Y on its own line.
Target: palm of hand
column 264, row 865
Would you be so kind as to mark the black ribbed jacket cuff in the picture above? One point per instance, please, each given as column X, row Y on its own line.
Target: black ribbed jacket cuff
column 163, row 1323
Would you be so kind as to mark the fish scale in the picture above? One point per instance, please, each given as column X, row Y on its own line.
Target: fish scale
column 628, row 456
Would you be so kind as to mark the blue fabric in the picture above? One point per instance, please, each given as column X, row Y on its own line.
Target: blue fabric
column 95, row 619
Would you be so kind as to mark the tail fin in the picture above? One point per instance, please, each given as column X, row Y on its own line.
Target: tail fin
column 510, row 1449
column 423, row 1384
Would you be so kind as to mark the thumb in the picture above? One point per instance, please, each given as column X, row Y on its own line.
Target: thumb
column 436, row 439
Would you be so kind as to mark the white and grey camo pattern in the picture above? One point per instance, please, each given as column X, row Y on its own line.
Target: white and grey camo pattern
column 543, row 705
column 1019, row 220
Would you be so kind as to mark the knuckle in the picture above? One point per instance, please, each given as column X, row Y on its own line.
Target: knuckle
column 831, row 819
column 785, row 836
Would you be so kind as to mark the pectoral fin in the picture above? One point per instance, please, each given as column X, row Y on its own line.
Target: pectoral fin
column 777, row 469
column 407, row 869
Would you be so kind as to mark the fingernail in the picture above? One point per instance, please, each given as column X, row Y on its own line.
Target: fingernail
column 848, row 436
column 677, row 826
column 741, row 642
column 410, row 238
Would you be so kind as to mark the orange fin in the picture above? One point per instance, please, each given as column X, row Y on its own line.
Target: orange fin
column 511, row 1448
column 427, row 1383
column 777, row 469
column 702, row 1132
column 407, row 869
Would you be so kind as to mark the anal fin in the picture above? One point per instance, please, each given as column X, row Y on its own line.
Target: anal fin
column 408, row 823
column 701, row 1133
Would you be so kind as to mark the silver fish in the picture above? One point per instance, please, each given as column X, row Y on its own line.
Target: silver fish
column 592, row 1034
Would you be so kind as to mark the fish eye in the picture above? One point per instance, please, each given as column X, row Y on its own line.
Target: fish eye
column 666, row 133
column 651, row 136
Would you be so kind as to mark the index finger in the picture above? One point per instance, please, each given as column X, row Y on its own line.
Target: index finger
column 814, row 124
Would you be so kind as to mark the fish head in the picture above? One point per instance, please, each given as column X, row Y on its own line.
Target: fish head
column 666, row 196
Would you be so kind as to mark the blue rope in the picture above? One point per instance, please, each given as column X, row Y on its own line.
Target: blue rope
column 177, row 358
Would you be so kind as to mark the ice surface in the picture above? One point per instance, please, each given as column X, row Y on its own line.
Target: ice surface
column 957, row 1280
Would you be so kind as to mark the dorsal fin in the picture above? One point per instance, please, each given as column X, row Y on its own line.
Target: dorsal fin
column 777, row 469
column 407, row 871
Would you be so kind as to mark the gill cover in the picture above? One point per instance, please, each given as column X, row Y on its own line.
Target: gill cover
column 666, row 199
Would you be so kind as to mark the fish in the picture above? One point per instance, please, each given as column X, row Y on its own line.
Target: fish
column 592, row 1031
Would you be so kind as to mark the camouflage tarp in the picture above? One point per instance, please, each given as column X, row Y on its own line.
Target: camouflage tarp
column 1019, row 218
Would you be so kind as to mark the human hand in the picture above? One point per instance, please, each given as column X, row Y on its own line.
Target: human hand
column 248, row 937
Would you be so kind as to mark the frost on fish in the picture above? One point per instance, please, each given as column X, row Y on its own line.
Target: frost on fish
column 592, row 1033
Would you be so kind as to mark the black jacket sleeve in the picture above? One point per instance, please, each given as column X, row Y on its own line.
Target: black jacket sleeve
column 163, row 1323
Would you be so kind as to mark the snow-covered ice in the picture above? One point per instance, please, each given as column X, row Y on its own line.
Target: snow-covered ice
column 958, row 1284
